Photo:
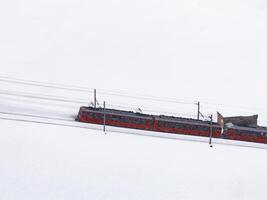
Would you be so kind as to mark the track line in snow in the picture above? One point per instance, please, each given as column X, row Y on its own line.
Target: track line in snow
column 20, row 117
column 47, row 122
column 38, row 116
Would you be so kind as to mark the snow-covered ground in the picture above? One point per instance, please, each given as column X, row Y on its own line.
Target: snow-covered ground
column 208, row 50
column 45, row 154
column 71, row 163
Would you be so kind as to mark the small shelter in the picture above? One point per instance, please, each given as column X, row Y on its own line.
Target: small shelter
column 244, row 121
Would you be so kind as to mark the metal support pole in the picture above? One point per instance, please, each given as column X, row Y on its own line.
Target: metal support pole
column 198, row 110
column 104, row 123
column 211, row 123
column 95, row 98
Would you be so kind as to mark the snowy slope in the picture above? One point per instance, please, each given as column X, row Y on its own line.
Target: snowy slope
column 78, row 161
column 208, row 50
column 71, row 163
column 41, row 159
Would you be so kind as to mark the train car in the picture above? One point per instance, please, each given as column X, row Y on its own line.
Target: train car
column 115, row 118
column 168, row 124
column 141, row 121
column 186, row 126
column 246, row 134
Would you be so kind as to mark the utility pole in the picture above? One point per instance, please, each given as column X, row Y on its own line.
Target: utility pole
column 198, row 110
column 104, row 123
column 95, row 98
column 211, row 123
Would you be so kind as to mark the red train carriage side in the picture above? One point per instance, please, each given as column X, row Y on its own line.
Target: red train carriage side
column 167, row 124
column 147, row 122
column 185, row 127
column 246, row 134
column 115, row 118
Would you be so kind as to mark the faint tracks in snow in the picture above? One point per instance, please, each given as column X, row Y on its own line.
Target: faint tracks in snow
column 70, row 122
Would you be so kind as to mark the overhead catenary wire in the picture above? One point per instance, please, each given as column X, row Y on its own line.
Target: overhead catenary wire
column 11, row 100
column 122, row 94
column 41, row 97
column 150, row 110
column 65, row 124
column 147, row 98
column 106, row 92
column 232, row 107
column 49, row 123
column 84, row 102
column 45, row 84
column 37, row 116
column 88, row 90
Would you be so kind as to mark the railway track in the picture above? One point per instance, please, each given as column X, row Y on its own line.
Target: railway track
column 71, row 123
column 40, row 119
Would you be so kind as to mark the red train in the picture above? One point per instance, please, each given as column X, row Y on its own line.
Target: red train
column 169, row 124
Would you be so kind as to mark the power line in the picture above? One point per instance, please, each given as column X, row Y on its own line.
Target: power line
column 47, row 85
column 150, row 110
column 147, row 98
column 31, row 115
column 30, row 95
column 83, row 101
column 119, row 94
column 88, row 90
column 171, row 136
column 9, row 99
column 236, row 107
column 49, row 123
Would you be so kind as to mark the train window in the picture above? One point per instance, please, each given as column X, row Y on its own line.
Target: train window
column 126, row 119
column 108, row 117
column 167, row 124
column 133, row 120
column 92, row 115
column 172, row 125
column 123, row 119
column 177, row 125
column 163, row 124
column 99, row 116
column 140, row 121
column 144, row 121
column 136, row 120
column 114, row 117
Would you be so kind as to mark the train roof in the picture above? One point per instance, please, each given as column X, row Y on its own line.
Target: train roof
column 115, row 111
column 258, row 129
column 167, row 118
column 159, row 117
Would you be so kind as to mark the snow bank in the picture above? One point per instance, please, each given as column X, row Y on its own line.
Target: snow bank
column 52, row 162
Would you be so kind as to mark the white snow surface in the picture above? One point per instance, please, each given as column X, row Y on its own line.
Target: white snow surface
column 208, row 50
column 72, row 163
column 42, row 160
